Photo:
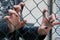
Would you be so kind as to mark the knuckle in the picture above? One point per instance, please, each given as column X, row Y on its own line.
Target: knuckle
column 21, row 4
column 17, row 7
column 6, row 17
column 11, row 11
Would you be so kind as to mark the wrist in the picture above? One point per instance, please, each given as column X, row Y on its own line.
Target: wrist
column 46, row 26
column 19, row 25
column 42, row 30
column 11, row 28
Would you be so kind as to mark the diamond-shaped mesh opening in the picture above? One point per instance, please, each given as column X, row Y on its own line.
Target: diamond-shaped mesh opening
column 56, row 10
column 32, row 12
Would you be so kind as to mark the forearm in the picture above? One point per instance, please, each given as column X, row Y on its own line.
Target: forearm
column 44, row 31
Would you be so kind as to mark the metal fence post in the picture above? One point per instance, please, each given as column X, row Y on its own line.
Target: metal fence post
column 50, row 12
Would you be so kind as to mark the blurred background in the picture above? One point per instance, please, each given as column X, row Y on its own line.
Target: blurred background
column 32, row 12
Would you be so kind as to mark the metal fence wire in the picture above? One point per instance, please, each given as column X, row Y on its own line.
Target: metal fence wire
column 32, row 12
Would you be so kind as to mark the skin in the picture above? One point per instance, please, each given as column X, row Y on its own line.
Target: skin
column 13, row 19
column 14, row 22
column 50, row 21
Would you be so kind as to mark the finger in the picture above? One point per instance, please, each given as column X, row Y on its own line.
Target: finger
column 50, row 18
column 23, row 22
column 17, row 8
column 11, row 12
column 56, row 23
column 11, row 28
column 44, row 15
column 54, row 16
column 44, row 12
column 7, row 18
column 21, row 4
column 51, row 21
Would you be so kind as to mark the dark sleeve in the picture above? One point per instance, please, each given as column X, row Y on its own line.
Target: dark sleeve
column 3, row 29
column 30, row 33
column 27, row 33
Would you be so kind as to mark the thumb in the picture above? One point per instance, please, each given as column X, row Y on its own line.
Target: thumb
column 23, row 22
column 11, row 28
column 7, row 18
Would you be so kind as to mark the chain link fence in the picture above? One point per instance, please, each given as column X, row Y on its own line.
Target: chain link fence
column 56, row 10
column 35, row 9
column 32, row 12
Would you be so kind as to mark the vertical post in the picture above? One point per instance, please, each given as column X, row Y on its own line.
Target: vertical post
column 50, row 12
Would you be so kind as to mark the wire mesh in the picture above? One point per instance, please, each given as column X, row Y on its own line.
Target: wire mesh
column 32, row 12
column 56, row 10
column 33, row 17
